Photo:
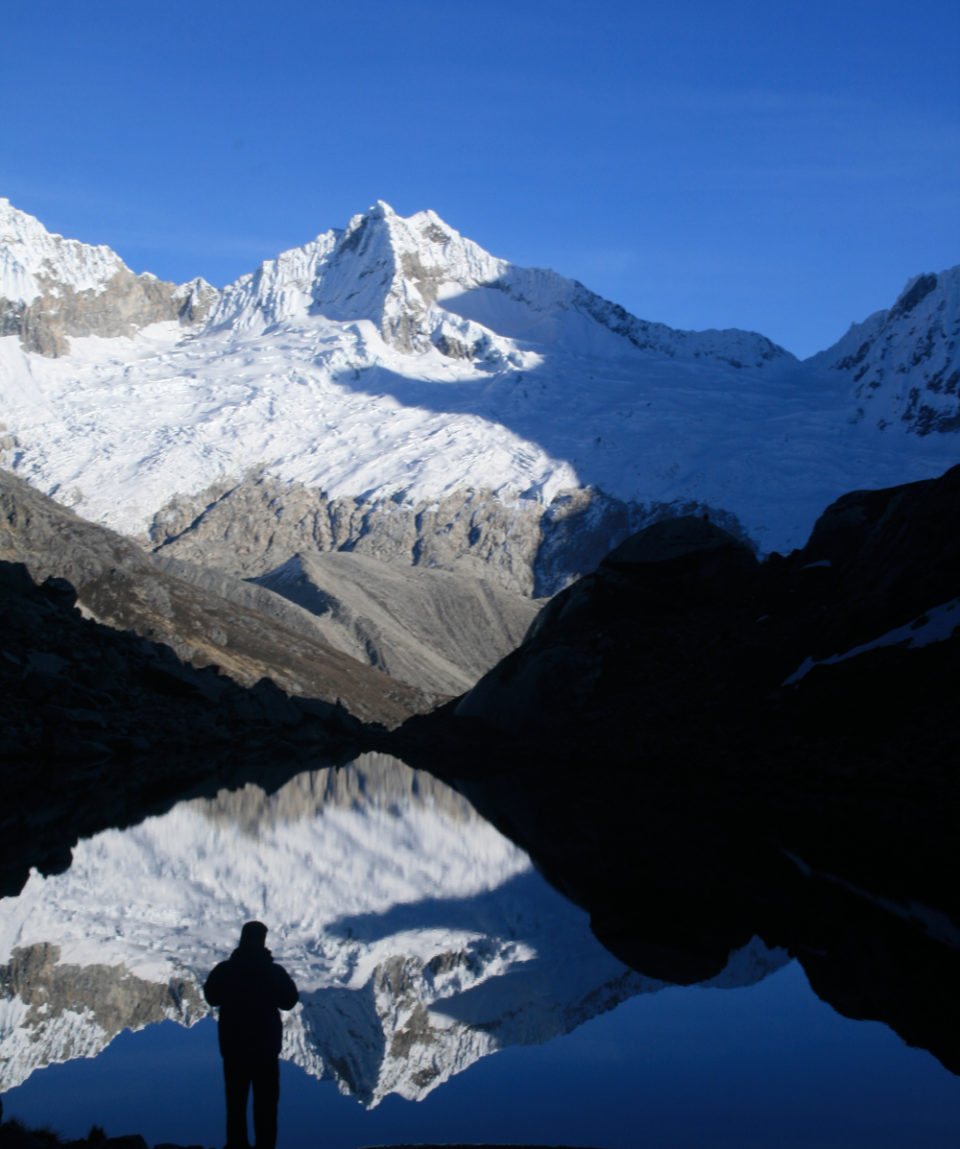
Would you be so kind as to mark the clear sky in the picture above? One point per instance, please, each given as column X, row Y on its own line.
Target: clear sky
column 783, row 167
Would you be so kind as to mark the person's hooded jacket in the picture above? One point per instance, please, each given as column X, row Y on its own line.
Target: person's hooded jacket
column 250, row 989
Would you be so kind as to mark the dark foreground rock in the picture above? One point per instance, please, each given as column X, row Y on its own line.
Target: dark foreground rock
column 819, row 682
column 15, row 1135
column 699, row 747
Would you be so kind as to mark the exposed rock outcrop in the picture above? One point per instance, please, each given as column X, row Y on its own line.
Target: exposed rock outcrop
column 52, row 288
column 250, row 527
column 434, row 631
column 118, row 584
column 124, row 304
column 438, row 630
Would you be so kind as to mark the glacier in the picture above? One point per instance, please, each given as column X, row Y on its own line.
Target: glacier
column 396, row 362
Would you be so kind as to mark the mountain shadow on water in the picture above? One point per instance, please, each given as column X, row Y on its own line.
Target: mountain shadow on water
column 697, row 748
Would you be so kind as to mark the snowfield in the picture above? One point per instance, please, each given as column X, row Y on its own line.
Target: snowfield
column 396, row 359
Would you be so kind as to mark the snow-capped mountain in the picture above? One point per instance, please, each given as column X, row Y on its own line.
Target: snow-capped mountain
column 393, row 388
column 51, row 288
column 419, row 937
column 32, row 259
column 903, row 365
column 424, row 284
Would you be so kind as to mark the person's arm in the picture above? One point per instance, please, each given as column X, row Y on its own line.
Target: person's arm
column 286, row 994
column 214, row 985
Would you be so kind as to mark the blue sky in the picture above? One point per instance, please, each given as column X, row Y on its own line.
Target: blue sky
column 784, row 167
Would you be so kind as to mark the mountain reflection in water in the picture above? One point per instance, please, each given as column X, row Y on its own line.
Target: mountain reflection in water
column 421, row 940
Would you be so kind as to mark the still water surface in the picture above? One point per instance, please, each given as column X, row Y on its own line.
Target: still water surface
column 448, row 994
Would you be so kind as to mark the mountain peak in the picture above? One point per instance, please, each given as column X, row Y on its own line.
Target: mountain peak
column 381, row 210
column 395, row 362
column 426, row 287
column 34, row 261
column 383, row 267
column 902, row 363
column 916, row 290
column 52, row 288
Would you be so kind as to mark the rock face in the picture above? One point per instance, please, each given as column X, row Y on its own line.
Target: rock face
column 254, row 526
column 52, row 288
column 117, row 584
column 439, row 630
column 124, row 304
column 434, row 633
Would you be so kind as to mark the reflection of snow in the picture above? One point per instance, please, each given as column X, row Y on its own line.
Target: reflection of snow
column 420, row 938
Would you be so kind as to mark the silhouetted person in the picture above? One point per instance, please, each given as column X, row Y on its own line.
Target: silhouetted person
column 251, row 989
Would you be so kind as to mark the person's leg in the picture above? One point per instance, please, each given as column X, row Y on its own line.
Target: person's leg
column 236, row 1079
column 266, row 1095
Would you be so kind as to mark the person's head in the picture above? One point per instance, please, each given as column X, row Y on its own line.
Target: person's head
column 253, row 934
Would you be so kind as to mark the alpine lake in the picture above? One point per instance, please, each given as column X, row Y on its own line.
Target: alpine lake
column 448, row 993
